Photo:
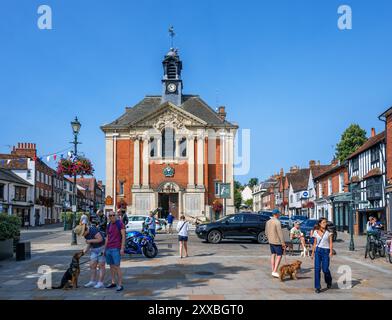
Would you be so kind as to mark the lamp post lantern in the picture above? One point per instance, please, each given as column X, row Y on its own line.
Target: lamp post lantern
column 76, row 129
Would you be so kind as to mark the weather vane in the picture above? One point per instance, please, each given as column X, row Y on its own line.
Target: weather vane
column 172, row 34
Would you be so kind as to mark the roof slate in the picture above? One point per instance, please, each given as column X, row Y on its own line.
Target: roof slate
column 371, row 142
column 8, row 175
column 299, row 179
column 191, row 103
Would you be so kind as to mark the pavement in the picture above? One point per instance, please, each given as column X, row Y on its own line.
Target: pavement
column 226, row 271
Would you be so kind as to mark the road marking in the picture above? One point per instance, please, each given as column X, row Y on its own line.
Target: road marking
column 376, row 268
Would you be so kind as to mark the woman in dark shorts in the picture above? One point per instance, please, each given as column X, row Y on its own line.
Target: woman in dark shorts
column 183, row 231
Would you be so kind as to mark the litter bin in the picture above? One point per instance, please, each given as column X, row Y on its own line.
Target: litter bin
column 23, row 251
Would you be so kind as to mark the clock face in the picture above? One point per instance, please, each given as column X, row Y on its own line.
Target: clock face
column 171, row 87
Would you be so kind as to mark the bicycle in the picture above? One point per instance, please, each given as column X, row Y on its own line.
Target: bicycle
column 387, row 243
column 374, row 245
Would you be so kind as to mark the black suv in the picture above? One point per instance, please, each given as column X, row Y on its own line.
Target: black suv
column 240, row 226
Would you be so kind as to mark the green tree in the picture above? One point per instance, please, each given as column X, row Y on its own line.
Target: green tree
column 253, row 182
column 237, row 185
column 237, row 194
column 249, row 203
column 352, row 138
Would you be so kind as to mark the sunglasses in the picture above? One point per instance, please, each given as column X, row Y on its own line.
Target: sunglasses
column 112, row 215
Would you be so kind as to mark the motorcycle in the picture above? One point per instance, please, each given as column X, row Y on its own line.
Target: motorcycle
column 140, row 243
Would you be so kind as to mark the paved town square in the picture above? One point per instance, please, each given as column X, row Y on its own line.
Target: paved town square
column 230, row 270
column 196, row 150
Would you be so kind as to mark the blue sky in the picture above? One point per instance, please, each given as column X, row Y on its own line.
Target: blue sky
column 282, row 69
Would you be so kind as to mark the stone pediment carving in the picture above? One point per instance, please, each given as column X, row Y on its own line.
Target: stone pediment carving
column 170, row 116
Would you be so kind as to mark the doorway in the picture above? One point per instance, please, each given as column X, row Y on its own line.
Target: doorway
column 169, row 203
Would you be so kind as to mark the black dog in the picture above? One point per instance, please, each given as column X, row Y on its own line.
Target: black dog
column 70, row 277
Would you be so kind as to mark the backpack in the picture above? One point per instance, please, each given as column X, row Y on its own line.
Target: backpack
column 118, row 224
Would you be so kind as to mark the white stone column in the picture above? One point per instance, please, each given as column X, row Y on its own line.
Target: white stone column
column 230, row 171
column 159, row 146
column 109, row 166
column 191, row 161
column 200, row 160
column 146, row 164
column 136, row 164
column 177, row 153
column 180, row 209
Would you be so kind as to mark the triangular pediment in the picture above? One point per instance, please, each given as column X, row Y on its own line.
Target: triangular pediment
column 169, row 115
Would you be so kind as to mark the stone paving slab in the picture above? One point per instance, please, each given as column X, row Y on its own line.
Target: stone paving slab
column 226, row 271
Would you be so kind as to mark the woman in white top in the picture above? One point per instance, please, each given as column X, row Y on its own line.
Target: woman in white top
column 322, row 251
column 183, row 230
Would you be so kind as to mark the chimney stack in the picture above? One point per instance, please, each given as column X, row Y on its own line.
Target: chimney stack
column 222, row 113
column 312, row 163
column 294, row 169
column 335, row 162
column 25, row 150
column 373, row 132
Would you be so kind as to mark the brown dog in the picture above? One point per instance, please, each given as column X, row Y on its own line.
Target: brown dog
column 70, row 277
column 290, row 270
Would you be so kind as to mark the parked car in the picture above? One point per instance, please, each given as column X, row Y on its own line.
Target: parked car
column 309, row 224
column 266, row 213
column 298, row 218
column 240, row 226
column 286, row 222
column 135, row 223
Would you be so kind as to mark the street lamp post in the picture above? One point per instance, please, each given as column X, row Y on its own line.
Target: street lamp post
column 75, row 128
column 352, row 208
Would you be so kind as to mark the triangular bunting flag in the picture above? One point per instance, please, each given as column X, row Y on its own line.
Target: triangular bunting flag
column 8, row 161
column 48, row 158
column 55, row 157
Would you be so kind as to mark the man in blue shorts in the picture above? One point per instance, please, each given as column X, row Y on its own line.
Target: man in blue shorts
column 273, row 231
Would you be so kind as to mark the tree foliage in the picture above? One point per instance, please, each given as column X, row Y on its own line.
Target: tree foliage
column 352, row 138
column 253, row 182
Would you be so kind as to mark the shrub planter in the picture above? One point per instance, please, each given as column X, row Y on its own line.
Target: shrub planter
column 6, row 249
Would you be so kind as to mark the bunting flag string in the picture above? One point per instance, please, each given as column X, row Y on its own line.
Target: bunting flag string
column 48, row 157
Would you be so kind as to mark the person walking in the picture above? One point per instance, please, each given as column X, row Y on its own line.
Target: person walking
column 102, row 221
column 183, row 232
column 114, row 249
column 84, row 219
column 273, row 231
column 37, row 218
column 321, row 253
column 150, row 223
column 96, row 245
column 123, row 217
column 170, row 220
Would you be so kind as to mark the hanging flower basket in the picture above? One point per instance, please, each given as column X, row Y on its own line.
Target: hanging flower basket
column 309, row 205
column 79, row 167
column 217, row 206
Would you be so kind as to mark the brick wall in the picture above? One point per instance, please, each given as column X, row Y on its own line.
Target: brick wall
column 124, row 163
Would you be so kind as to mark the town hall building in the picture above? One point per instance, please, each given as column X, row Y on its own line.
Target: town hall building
column 171, row 151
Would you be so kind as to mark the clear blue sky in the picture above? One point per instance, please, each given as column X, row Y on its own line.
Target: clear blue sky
column 282, row 69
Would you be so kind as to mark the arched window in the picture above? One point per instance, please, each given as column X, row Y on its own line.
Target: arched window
column 153, row 147
column 183, row 147
column 168, row 143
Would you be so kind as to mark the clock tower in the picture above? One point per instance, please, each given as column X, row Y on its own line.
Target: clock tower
column 171, row 82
